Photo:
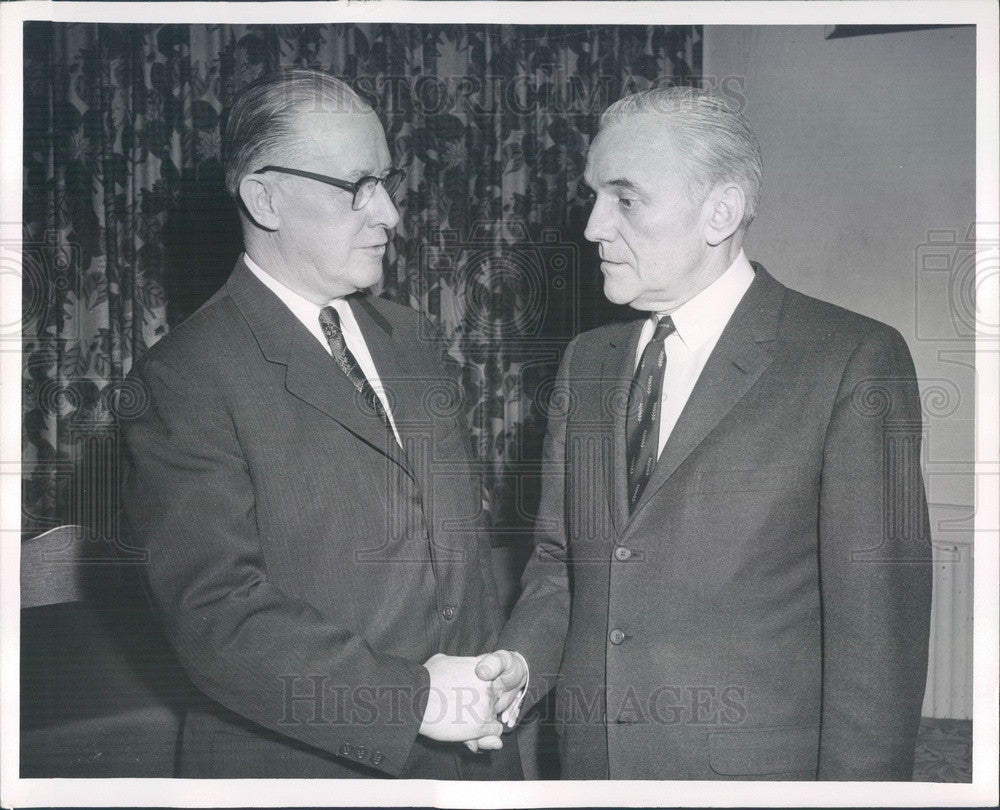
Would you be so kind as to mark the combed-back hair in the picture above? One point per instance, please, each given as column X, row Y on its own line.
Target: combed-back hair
column 708, row 130
column 262, row 124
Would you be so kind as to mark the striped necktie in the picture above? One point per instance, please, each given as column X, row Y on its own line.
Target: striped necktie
column 642, row 421
column 329, row 320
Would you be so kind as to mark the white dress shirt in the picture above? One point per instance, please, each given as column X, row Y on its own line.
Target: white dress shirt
column 699, row 323
column 308, row 313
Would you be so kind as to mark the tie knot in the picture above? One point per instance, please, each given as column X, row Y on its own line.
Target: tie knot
column 664, row 328
column 329, row 319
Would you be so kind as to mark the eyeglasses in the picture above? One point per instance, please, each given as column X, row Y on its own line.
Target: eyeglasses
column 363, row 190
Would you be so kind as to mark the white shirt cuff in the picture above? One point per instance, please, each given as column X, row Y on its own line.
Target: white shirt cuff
column 510, row 714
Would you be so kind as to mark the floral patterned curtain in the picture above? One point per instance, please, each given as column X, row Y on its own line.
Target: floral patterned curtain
column 127, row 228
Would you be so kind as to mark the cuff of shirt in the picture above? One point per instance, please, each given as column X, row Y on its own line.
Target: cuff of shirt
column 510, row 715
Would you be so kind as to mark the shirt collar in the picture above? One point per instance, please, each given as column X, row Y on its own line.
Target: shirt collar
column 303, row 309
column 703, row 317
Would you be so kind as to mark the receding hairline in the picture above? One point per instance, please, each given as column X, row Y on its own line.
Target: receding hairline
column 300, row 116
column 301, row 139
column 271, row 117
column 299, row 147
column 705, row 133
column 660, row 137
column 654, row 124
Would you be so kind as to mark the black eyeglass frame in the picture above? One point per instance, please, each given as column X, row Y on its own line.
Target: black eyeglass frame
column 391, row 181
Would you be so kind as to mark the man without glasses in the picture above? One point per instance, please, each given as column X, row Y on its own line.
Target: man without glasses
column 739, row 587
column 295, row 539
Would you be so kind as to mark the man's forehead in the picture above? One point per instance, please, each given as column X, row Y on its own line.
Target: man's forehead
column 324, row 125
column 352, row 142
column 628, row 148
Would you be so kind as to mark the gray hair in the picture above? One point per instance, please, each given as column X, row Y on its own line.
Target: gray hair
column 709, row 131
column 263, row 119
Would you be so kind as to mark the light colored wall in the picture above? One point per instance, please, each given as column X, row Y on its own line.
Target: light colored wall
column 868, row 146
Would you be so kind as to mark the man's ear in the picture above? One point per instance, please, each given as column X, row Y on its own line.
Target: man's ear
column 258, row 201
column 727, row 203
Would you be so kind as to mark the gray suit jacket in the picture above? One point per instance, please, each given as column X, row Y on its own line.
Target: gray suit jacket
column 304, row 565
column 763, row 612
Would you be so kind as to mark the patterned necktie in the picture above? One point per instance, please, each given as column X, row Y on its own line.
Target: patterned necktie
column 329, row 319
column 642, row 423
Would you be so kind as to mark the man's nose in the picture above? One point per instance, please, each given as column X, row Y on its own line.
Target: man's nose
column 598, row 224
column 382, row 210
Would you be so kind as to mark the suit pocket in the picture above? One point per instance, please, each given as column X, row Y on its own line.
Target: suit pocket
column 759, row 752
column 762, row 479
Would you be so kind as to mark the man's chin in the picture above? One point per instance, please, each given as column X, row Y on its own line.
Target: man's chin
column 616, row 295
column 368, row 277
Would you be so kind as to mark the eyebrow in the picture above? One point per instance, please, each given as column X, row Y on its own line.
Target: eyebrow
column 357, row 174
column 619, row 182
column 624, row 183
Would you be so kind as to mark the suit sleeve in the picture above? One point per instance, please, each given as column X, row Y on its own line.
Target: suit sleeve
column 247, row 645
column 875, row 568
column 539, row 622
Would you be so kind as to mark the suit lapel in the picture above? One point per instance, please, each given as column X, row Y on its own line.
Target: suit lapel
column 409, row 377
column 742, row 354
column 402, row 374
column 311, row 374
column 386, row 354
column 616, row 375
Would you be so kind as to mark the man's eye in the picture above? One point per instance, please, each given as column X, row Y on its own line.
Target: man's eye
column 626, row 202
column 589, row 196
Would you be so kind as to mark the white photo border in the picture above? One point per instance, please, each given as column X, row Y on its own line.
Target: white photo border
column 291, row 793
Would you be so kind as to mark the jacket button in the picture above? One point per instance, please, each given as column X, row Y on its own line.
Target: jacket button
column 377, row 758
column 346, row 750
column 361, row 752
column 622, row 553
column 448, row 612
column 616, row 636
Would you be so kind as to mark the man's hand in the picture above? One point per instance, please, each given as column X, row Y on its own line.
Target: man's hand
column 460, row 705
column 507, row 673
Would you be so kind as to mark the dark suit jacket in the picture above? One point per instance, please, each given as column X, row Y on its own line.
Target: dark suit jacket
column 763, row 613
column 305, row 567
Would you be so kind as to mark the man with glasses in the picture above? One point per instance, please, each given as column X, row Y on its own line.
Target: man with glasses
column 299, row 496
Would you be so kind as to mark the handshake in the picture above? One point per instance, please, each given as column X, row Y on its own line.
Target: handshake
column 471, row 698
